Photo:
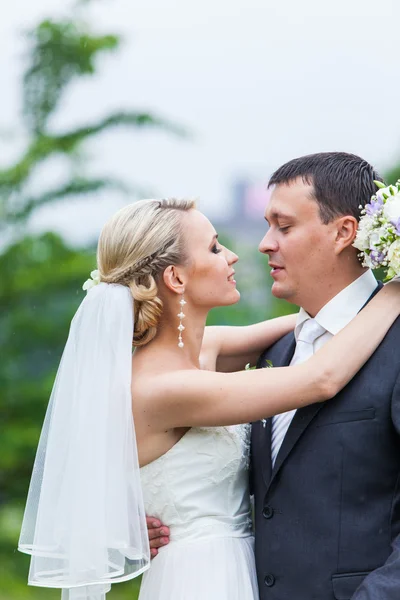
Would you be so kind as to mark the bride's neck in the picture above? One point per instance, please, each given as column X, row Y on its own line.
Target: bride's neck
column 192, row 336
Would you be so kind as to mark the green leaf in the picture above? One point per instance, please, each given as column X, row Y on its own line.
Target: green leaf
column 76, row 187
column 60, row 51
column 43, row 146
column 379, row 184
column 248, row 367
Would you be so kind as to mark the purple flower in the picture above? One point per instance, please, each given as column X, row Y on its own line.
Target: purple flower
column 374, row 206
column 377, row 257
column 397, row 226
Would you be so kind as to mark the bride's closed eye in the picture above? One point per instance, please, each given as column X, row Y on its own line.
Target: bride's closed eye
column 215, row 249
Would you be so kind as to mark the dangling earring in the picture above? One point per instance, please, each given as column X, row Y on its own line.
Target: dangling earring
column 181, row 327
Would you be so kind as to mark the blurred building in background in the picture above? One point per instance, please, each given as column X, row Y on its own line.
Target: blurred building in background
column 243, row 227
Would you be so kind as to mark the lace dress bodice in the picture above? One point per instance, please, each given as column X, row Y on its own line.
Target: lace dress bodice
column 199, row 488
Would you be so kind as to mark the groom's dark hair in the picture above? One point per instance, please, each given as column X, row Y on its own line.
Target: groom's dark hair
column 342, row 182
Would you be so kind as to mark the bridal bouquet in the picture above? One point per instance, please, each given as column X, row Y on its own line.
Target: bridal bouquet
column 378, row 235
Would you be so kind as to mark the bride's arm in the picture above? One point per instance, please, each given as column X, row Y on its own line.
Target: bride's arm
column 229, row 349
column 195, row 398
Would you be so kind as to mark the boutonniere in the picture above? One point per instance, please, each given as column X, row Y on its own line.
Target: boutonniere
column 268, row 365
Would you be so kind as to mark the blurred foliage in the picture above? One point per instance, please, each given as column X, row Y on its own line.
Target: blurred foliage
column 393, row 174
column 41, row 281
column 59, row 53
column 46, row 78
column 40, row 275
column 41, row 289
column 254, row 283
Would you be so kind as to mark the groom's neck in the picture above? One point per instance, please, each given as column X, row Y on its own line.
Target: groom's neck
column 318, row 295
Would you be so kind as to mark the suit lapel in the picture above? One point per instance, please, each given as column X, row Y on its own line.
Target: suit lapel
column 265, row 442
column 300, row 422
column 265, row 432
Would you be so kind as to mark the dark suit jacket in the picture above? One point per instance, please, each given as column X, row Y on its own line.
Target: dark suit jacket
column 328, row 515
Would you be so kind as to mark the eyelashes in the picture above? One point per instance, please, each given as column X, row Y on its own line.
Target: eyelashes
column 215, row 249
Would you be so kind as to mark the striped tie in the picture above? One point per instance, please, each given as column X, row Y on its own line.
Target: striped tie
column 311, row 330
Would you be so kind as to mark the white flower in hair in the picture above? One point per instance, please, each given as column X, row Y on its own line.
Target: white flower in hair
column 95, row 280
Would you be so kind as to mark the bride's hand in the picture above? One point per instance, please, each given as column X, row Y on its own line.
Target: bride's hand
column 158, row 535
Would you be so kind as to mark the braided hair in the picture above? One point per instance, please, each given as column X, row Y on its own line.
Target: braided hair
column 135, row 247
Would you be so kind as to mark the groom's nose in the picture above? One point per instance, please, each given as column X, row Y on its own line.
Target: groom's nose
column 268, row 244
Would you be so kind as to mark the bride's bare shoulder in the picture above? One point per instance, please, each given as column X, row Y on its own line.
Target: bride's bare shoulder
column 152, row 383
column 155, row 376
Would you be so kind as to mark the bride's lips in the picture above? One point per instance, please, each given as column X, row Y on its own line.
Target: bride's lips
column 231, row 279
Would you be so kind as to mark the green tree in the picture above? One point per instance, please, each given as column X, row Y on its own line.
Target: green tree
column 60, row 53
column 40, row 276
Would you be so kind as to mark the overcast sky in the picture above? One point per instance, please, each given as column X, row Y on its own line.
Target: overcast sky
column 257, row 82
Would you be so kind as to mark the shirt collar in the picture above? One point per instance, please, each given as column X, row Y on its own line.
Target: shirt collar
column 343, row 307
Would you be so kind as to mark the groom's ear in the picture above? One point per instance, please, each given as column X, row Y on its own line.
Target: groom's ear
column 346, row 230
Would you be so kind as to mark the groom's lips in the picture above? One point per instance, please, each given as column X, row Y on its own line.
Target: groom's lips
column 275, row 269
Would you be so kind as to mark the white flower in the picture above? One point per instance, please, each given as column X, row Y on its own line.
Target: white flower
column 394, row 257
column 95, row 280
column 383, row 192
column 89, row 283
column 376, row 235
column 367, row 262
column 362, row 240
column 364, row 231
column 391, row 208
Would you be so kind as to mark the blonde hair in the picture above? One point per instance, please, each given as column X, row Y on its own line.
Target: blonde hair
column 135, row 247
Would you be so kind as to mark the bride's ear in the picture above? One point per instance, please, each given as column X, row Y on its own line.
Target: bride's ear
column 346, row 231
column 174, row 279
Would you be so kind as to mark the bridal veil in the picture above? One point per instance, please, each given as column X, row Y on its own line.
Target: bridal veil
column 84, row 522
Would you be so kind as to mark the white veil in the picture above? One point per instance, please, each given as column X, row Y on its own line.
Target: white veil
column 84, row 521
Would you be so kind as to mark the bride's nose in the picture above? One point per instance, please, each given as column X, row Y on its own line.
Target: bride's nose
column 231, row 257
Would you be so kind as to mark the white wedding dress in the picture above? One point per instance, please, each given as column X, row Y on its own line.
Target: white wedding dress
column 199, row 489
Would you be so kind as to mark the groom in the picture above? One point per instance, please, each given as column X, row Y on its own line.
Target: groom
column 326, row 478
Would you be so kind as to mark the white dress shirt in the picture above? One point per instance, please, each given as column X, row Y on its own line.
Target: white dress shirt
column 334, row 316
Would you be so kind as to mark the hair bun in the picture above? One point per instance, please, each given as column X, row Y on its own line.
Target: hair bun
column 136, row 245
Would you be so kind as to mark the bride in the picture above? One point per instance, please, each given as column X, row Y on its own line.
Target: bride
column 161, row 269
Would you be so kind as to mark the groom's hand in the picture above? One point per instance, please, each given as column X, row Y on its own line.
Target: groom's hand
column 158, row 535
